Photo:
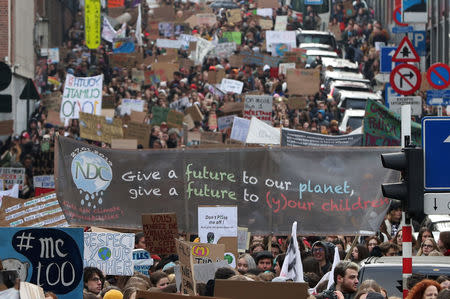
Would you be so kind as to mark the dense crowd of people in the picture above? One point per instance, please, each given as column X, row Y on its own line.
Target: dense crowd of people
column 33, row 148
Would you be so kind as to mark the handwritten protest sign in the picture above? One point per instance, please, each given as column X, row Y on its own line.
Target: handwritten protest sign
column 124, row 143
column 137, row 76
column 230, row 85
column 202, row 272
column 234, row 16
column 188, row 285
column 389, row 133
column 204, row 253
column 216, row 222
column 169, row 43
column 160, row 231
column 195, row 112
column 12, row 176
column 164, row 70
column 245, row 177
column 123, row 59
column 44, row 181
column 138, row 117
column 280, row 23
column 283, row 67
column 110, row 252
column 206, row 19
column 81, row 95
column 175, row 119
column 259, row 59
column 259, row 106
column 240, row 128
column 48, row 257
column 301, row 138
column 297, row 102
column 6, row 127
column 280, row 37
column 211, row 137
column 266, row 24
column 52, row 101
column 159, row 115
column 128, row 105
column 142, row 261
column 303, row 82
column 243, row 239
column 100, row 128
column 138, row 131
column 268, row 4
column 39, row 211
column 223, row 50
column 225, row 122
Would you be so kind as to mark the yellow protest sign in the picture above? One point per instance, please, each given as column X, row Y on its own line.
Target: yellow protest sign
column 92, row 22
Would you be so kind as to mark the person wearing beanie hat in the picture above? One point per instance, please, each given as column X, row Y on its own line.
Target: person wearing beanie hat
column 264, row 260
column 113, row 294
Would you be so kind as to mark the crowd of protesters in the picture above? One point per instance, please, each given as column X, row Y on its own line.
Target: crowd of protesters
column 33, row 148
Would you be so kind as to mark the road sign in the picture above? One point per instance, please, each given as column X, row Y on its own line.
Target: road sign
column 438, row 97
column 396, row 103
column 436, row 146
column 400, row 29
column 436, row 203
column 397, row 16
column 388, row 93
column 405, row 79
column 418, row 40
column 438, row 75
column 386, row 63
column 405, row 52
column 414, row 11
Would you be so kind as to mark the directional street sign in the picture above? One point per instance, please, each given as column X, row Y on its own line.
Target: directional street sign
column 438, row 97
column 418, row 40
column 405, row 79
column 406, row 52
column 386, row 63
column 436, row 203
column 399, row 29
column 396, row 103
column 436, row 149
column 438, row 75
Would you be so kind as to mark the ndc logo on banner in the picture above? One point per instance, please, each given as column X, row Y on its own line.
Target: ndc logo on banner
column 92, row 174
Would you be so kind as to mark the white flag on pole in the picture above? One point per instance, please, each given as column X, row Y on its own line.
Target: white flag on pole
column 139, row 27
column 292, row 265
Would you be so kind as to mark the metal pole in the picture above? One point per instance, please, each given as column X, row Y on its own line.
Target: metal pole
column 406, row 123
column 406, row 252
column 439, row 110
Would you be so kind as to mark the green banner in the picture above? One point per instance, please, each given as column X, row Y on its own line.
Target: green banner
column 159, row 115
column 382, row 127
column 233, row 37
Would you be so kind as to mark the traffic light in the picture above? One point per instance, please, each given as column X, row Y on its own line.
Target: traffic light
column 410, row 189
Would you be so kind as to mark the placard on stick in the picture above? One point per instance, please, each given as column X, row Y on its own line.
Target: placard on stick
column 7, row 127
column 160, row 231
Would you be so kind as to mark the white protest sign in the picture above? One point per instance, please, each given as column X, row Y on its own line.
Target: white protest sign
column 12, row 176
column 169, row 43
column 230, row 85
column 215, row 222
column 202, row 272
column 223, row 50
column 110, row 252
column 202, row 49
column 264, row 12
column 243, row 238
column 81, row 94
column 142, row 261
column 186, row 39
column 13, row 192
column 225, row 122
column 108, row 32
column 280, row 23
column 259, row 106
column 240, row 128
column 262, row 133
column 44, row 181
column 280, row 37
column 131, row 104
column 53, row 55
column 283, row 67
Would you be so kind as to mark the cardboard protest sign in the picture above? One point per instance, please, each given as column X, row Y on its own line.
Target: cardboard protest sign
column 208, row 19
column 13, row 192
column 6, row 127
column 108, row 113
column 336, row 30
column 164, row 12
column 205, row 253
column 211, row 137
column 108, row 102
column 212, row 121
column 121, row 60
column 99, row 128
column 156, row 295
column 175, row 119
column 215, row 222
column 160, row 231
column 139, row 131
column 239, row 131
column 230, row 85
column 142, row 261
column 225, row 122
column 12, row 176
column 262, row 290
column 236, row 60
column 268, row 4
column 266, row 24
column 189, row 122
column 234, row 16
column 389, row 133
column 81, row 95
column 188, row 285
column 137, row 116
column 159, row 115
column 52, row 101
column 137, row 76
column 297, row 102
column 48, row 257
column 39, row 211
column 232, row 107
column 124, row 143
column 110, row 252
column 195, row 112
column 303, row 82
column 246, row 177
column 193, row 138
column 259, row 106
column 128, row 105
column 223, row 50
column 301, row 138
column 164, row 70
column 349, row 10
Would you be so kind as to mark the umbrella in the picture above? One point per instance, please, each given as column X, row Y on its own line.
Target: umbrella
column 224, row 4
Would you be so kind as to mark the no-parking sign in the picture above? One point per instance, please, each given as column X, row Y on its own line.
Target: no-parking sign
column 438, row 75
column 405, row 79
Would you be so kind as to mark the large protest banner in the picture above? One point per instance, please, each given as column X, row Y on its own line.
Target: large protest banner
column 337, row 187
column 382, row 127
column 81, row 95
column 259, row 106
column 291, row 137
column 39, row 211
column 260, row 289
column 110, row 252
column 160, row 231
column 48, row 257
column 100, row 128
column 12, row 176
